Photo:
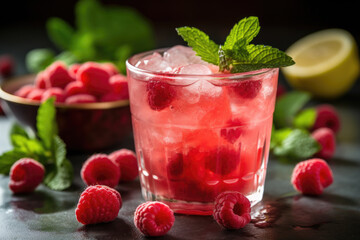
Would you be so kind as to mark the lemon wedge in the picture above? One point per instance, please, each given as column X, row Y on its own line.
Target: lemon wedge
column 327, row 63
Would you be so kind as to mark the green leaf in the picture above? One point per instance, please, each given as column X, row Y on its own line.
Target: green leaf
column 261, row 56
column 201, row 44
column 305, row 119
column 60, row 32
column 16, row 129
column 278, row 136
column 246, row 28
column 298, row 145
column 59, row 177
column 7, row 159
column 38, row 59
column 288, row 106
column 46, row 122
column 31, row 146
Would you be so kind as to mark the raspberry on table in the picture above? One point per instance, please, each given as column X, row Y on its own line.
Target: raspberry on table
column 25, row 175
column 326, row 138
column 126, row 160
column 58, row 75
column 99, row 169
column 80, row 98
column 247, row 89
column 95, row 78
column 160, row 94
column 232, row 210
column 311, row 176
column 98, row 204
column 327, row 116
column 154, row 218
column 56, row 92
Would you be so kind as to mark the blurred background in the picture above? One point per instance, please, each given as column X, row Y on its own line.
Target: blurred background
column 23, row 23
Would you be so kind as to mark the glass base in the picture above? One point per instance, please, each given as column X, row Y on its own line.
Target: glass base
column 196, row 208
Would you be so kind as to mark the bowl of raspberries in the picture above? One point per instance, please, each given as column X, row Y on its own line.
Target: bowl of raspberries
column 91, row 100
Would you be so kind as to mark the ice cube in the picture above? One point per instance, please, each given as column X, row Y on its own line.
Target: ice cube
column 153, row 62
column 180, row 56
column 195, row 69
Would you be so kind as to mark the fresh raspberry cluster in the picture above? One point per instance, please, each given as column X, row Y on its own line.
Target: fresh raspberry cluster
column 79, row 83
column 109, row 170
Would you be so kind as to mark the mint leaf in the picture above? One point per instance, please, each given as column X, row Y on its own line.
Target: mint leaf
column 246, row 28
column 288, row 106
column 60, row 175
column 237, row 54
column 46, row 122
column 201, row 44
column 7, row 159
column 261, row 56
column 16, row 129
column 60, row 32
column 305, row 119
column 278, row 136
column 38, row 59
column 297, row 145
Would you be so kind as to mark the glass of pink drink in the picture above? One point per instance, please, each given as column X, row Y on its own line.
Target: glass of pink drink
column 199, row 132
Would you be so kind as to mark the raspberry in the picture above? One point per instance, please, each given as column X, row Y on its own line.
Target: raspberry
column 25, row 175
column 110, row 67
column 58, row 93
column 311, row 176
column 41, row 80
column 232, row 210
column 326, row 138
column 80, row 98
column 75, row 87
column 119, row 85
column 36, row 94
column 175, row 166
column 281, row 90
column 248, row 88
column 6, row 65
column 222, row 160
column 95, row 78
column 126, row 161
column 327, row 117
column 154, row 218
column 160, row 94
column 232, row 131
column 99, row 169
column 73, row 68
column 58, row 76
column 98, row 204
column 24, row 91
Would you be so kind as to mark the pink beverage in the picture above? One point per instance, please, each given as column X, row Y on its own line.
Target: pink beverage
column 199, row 132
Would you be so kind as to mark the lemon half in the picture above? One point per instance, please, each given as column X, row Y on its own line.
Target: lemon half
column 327, row 63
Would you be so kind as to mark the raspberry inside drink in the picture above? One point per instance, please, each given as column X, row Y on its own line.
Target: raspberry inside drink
column 199, row 132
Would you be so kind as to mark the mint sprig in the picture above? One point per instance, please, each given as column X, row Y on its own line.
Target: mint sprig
column 236, row 54
column 47, row 148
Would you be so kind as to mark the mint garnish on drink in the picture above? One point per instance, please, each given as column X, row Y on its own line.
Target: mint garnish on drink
column 237, row 54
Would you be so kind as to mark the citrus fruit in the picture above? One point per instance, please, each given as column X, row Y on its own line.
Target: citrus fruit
column 327, row 63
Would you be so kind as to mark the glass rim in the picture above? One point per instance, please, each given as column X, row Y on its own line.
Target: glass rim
column 213, row 76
